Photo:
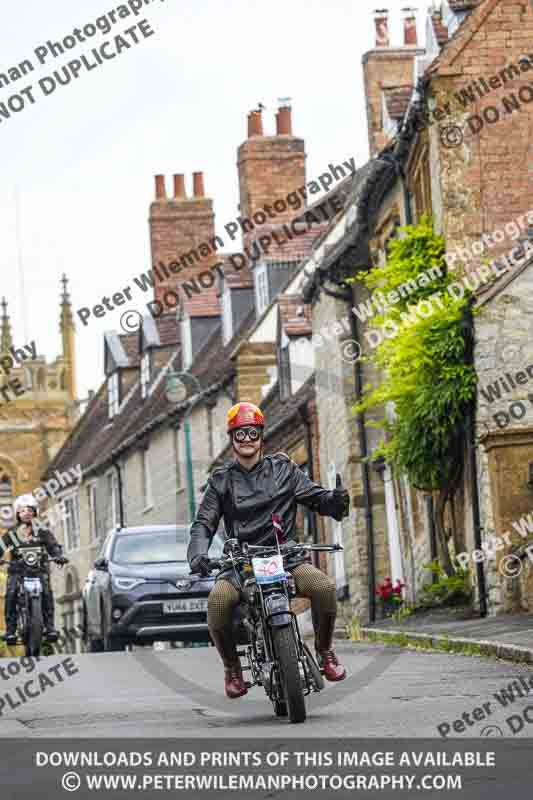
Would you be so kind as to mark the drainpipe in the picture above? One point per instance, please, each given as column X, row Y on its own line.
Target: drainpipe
column 115, row 463
column 468, row 332
column 304, row 414
column 363, row 449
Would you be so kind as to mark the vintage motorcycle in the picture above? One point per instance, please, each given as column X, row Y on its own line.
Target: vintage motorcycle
column 29, row 595
column 277, row 657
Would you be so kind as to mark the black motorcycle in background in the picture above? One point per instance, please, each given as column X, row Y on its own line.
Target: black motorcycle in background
column 277, row 657
column 34, row 559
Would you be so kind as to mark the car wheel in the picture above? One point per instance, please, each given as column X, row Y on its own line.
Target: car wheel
column 95, row 646
column 112, row 644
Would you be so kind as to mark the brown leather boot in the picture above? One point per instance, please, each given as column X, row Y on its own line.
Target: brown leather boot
column 233, row 680
column 327, row 660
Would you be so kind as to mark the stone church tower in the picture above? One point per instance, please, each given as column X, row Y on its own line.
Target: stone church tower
column 38, row 409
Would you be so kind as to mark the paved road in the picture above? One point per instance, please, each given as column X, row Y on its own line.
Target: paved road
column 390, row 692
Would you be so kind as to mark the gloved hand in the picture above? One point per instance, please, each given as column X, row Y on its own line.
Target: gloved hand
column 341, row 500
column 62, row 561
column 200, row 565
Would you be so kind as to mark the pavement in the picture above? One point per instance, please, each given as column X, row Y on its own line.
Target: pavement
column 507, row 636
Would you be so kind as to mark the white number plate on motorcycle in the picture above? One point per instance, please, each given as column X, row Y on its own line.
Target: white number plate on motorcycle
column 32, row 585
column 268, row 570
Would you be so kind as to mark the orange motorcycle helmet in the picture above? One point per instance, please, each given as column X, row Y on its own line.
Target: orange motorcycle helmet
column 242, row 414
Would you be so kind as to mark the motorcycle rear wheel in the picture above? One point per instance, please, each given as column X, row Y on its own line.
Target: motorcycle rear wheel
column 287, row 653
column 34, row 627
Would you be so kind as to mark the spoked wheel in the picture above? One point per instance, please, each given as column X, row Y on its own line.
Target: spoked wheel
column 33, row 634
column 287, row 652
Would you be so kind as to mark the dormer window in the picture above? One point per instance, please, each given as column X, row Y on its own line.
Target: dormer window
column 113, row 394
column 145, row 374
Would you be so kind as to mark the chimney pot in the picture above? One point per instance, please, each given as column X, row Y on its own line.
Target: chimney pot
column 409, row 26
column 381, row 21
column 160, row 191
column 284, row 121
column 198, row 184
column 255, row 123
column 179, row 186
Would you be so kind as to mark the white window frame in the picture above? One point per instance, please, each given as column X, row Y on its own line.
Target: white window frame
column 71, row 522
column 186, row 342
column 148, row 499
column 91, row 508
column 227, row 318
column 145, row 374
column 261, row 288
column 112, row 487
column 113, row 394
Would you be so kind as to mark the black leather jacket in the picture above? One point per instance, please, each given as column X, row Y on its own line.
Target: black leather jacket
column 246, row 499
column 45, row 537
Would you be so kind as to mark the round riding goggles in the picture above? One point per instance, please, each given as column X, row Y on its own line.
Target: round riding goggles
column 251, row 432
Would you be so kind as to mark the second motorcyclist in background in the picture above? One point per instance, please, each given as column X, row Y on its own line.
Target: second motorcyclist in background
column 28, row 527
column 246, row 493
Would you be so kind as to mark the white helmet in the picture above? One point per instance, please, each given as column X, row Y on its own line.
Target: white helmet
column 25, row 501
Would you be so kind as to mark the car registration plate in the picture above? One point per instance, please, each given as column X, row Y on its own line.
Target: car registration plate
column 189, row 604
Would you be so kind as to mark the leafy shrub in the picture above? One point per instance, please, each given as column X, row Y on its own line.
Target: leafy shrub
column 447, row 590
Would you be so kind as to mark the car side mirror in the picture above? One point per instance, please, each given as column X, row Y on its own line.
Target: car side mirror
column 101, row 564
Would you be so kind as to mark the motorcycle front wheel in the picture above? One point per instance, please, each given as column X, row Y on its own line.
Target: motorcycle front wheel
column 34, row 627
column 286, row 651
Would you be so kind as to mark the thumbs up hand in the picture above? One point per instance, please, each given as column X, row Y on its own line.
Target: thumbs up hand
column 341, row 500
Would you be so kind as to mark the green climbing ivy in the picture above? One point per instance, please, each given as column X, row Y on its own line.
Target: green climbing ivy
column 422, row 367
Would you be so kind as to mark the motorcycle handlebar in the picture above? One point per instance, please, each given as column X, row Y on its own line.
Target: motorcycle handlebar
column 218, row 563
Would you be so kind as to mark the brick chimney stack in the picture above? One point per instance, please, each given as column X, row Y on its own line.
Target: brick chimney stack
column 270, row 168
column 255, row 123
column 409, row 26
column 198, row 184
column 381, row 22
column 160, row 191
column 182, row 232
column 387, row 67
column 179, row 187
column 284, row 121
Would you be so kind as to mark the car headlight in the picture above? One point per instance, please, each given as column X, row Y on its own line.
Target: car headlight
column 125, row 584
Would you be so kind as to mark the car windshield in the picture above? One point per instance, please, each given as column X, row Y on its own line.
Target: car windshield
column 158, row 547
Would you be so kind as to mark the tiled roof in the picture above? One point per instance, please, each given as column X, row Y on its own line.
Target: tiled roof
column 168, row 329
column 236, row 278
column 203, row 304
column 295, row 316
column 463, row 5
column 397, row 101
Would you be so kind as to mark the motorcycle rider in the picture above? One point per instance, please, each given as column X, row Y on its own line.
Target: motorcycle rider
column 26, row 508
column 246, row 493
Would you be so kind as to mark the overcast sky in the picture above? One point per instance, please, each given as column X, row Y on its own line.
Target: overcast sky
column 83, row 159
